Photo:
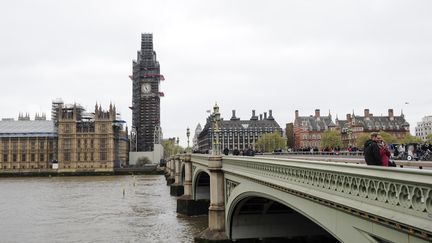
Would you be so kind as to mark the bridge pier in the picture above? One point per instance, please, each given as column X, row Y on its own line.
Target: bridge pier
column 177, row 188
column 185, row 204
column 216, row 224
column 170, row 178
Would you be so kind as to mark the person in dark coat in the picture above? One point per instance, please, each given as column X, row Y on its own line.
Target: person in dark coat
column 226, row 151
column 372, row 150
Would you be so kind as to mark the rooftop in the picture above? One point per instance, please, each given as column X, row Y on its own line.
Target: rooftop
column 42, row 128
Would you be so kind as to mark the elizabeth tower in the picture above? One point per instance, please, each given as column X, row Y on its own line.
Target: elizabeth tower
column 145, row 95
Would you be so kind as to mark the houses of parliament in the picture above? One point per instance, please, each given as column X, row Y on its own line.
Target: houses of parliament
column 73, row 140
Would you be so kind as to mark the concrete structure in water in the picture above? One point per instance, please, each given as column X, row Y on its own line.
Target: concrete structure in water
column 281, row 199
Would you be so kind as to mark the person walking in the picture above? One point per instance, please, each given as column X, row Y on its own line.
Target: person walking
column 372, row 150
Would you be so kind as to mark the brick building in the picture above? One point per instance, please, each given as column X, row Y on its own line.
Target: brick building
column 308, row 129
column 354, row 126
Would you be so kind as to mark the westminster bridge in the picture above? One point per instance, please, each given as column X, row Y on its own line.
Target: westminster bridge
column 284, row 198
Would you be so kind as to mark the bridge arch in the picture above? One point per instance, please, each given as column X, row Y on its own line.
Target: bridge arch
column 201, row 185
column 342, row 226
column 182, row 173
column 258, row 215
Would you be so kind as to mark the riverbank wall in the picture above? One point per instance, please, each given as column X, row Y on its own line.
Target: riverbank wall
column 147, row 170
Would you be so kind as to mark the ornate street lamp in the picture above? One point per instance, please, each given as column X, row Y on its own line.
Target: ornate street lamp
column 216, row 129
column 188, row 134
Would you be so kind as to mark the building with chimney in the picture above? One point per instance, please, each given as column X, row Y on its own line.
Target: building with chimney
column 424, row 128
column 238, row 134
column 308, row 129
column 354, row 126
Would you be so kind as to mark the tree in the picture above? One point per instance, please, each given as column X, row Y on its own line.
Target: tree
column 388, row 138
column 141, row 161
column 170, row 148
column 361, row 140
column 269, row 142
column 429, row 138
column 411, row 139
column 289, row 131
column 331, row 139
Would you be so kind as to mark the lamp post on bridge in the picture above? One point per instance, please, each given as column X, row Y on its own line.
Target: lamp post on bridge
column 188, row 134
column 216, row 212
column 216, row 129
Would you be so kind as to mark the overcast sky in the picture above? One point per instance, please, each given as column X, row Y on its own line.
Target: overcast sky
column 281, row 55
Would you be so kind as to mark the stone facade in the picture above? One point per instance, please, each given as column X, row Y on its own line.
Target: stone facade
column 90, row 141
column 75, row 139
column 26, row 144
column 424, row 128
column 238, row 134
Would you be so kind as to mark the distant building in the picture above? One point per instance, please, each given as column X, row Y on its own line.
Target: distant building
column 77, row 140
column 198, row 130
column 424, row 128
column 90, row 140
column 354, row 126
column 238, row 134
column 308, row 129
column 27, row 144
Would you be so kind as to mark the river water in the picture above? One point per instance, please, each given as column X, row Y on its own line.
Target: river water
column 92, row 209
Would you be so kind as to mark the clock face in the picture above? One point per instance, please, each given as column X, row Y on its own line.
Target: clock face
column 145, row 88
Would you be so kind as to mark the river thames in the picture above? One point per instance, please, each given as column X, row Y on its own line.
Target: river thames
column 92, row 209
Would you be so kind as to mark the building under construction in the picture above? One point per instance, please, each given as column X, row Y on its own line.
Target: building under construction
column 145, row 107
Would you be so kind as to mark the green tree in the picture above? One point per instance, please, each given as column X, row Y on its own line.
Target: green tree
column 429, row 138
column 170, row 148
column 388, row 138
column 411, row 139
column 331, row 139
column 270, row 142
column 289, row 131
column 361, row 140
column 141, row 161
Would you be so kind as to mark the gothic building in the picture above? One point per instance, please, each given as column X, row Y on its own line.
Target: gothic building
column 236, row 133
column 90, row 140
column 75, row 140
column 145, row 107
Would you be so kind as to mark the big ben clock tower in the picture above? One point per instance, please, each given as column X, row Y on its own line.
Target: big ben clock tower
column 145, row 97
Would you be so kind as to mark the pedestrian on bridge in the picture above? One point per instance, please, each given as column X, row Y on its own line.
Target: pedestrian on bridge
column 372, row 150
column 384, row 151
